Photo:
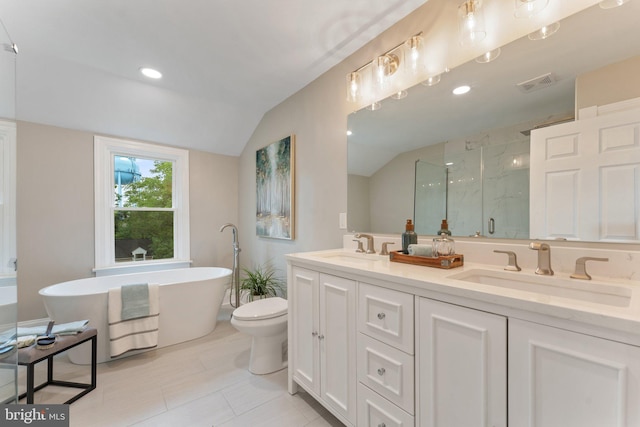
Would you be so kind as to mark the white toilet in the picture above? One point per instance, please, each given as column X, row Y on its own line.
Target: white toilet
column 266, row 321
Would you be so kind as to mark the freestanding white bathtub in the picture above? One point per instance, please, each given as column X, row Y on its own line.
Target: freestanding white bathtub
column 189, row 302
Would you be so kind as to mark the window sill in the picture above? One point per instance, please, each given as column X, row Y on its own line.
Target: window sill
column 141, row 267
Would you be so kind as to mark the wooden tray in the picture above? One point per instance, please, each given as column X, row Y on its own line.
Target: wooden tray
column 449, row 261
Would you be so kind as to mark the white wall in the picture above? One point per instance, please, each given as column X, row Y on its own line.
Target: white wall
column 317, row 114
column 55, row 210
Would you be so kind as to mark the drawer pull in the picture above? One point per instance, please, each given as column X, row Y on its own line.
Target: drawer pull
column 320, row 337
column 381, row 316
column 381, row 371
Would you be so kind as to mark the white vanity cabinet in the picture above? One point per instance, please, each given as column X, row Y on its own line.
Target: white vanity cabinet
column 392, row 347
column 568, row 379
column 322, row 354
column 385, row 357
column 461, row 366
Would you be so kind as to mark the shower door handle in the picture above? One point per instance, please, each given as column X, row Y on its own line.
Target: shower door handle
column 492, row 225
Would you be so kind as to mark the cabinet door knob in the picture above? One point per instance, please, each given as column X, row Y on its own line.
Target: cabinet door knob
column 381, row 316
column 314, row 333
column 320, row 337
column 381, row 371
column 382, row 425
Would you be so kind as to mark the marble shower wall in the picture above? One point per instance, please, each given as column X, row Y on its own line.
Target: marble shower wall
column 488, row 178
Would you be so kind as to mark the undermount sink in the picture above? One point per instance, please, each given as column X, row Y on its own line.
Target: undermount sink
column 600, row 293
column 355, row 258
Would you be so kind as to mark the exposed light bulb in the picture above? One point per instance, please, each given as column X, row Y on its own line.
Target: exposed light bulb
column 544, row 32
column 528, row 8
column 413, row 57
column 354, row 90
column 609, row 4
column 488, row 56
column 471, row 23
column 433, row 80
column 400, row 94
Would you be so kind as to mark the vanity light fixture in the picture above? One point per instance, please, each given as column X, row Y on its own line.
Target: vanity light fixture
column 382, row 68
column 349, row 133
column 151, row 73
column 610, row 4
column 433, row 80
column 401, row 94
column 461, row 90
column 489, row 56
column 528, row 8
column 471, row 22
column 414, row 55
column 374, row 106
column 354, row 86
column 385, row 66
column 544, row 32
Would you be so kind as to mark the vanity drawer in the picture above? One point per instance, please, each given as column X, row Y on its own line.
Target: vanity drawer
column 386, row 315
column 376, row 411
column 387, row 371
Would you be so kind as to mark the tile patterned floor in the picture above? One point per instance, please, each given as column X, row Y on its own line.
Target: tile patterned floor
column 204, row 382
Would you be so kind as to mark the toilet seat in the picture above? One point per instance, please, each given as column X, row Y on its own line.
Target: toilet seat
column 267, row 308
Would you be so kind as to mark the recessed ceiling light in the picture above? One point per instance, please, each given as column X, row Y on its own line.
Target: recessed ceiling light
column 461, row 90
column 151, row 73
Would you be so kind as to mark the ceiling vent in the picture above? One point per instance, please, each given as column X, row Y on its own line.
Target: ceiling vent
column 537, row 83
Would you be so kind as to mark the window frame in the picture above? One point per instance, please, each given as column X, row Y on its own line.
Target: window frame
column 105, row 149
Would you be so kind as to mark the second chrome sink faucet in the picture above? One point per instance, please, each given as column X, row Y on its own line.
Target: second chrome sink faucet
column 544, row 258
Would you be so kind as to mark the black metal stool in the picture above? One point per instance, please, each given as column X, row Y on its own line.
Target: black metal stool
column 30, row 356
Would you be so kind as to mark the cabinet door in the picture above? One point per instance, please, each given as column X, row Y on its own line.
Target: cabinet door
column 338, row 344
column 462, row 360
column 303, row 320
column 562, row 378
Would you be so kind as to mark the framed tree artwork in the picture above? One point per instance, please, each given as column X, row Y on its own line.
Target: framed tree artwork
column 275, row 178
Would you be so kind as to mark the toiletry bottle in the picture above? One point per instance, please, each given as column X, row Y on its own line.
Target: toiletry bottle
column 443, row 245
column 409, row 237
column 444, row 228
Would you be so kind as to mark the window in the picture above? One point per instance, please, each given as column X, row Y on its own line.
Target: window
column 141, row 203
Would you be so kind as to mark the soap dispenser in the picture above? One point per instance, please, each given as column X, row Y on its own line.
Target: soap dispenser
column 443, row 245
column 444, row 228
column 409, row 237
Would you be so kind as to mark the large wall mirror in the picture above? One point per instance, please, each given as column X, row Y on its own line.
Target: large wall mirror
column 433, row 155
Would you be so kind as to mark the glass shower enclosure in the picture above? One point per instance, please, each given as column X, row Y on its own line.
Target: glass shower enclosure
column 8, row 261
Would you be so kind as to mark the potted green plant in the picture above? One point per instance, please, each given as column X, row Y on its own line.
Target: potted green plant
column 261, row 282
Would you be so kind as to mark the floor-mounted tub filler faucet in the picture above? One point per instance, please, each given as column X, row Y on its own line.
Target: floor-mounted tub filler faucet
column 544, row 258
column 235, row 273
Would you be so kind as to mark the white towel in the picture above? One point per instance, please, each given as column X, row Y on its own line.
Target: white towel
column 134, row 334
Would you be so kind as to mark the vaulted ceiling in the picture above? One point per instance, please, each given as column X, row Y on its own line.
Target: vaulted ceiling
column 225, row 63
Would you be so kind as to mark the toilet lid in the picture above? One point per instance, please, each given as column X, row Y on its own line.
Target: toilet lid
column 261, row 309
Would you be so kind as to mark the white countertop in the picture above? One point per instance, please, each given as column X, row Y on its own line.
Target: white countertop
column 611, row 321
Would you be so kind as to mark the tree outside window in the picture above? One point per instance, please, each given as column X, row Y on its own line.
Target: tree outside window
column 143, row 208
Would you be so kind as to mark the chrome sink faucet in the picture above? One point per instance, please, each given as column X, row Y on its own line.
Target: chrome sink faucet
column 544, row 258
column 369, row 237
